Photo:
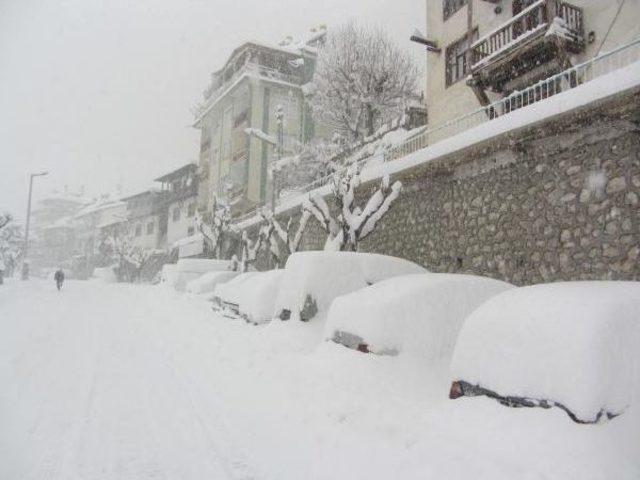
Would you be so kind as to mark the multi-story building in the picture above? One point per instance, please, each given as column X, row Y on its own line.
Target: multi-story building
column 181, row 188
column 245, row 93
column 482, row 50
column 147, row 218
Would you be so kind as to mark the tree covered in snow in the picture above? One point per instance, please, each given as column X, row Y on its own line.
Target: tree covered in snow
column 11, row 243
column 362, row 80
column 129, row 258
column 352, row 224
column 215, row 227
column 249, row 249
column 283, row 240
column 311, row 161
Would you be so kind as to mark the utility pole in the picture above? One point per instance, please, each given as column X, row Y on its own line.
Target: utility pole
column 25, row 250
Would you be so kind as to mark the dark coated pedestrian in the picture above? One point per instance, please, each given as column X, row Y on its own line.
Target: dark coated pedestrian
column 59, row 278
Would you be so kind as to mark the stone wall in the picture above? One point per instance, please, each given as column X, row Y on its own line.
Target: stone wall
column 555, row 201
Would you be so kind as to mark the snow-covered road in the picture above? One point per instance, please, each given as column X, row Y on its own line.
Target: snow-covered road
column 138, row 382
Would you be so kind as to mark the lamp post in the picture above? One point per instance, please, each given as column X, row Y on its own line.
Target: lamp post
column 25, row 263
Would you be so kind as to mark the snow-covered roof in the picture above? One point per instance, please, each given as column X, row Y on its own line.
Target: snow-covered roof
column 99, row 206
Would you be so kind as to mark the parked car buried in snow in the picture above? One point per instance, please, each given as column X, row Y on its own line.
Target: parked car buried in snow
column 410, row 314
column 574, row 346
column 312, row 280
column 250, row 296
column 188, row 269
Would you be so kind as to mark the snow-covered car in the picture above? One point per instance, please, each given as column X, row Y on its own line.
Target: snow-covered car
column 207, row 282
column 250, row 296
column 411, row 314
column 169, row 274
column 313, row 279
column 574, row 345
column 188, row 269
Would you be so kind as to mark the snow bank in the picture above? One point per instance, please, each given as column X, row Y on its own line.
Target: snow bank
column 313, row 279
column 189, row 269
column 201, row 265
column 412, row 314
column 208, row 281
column 105, row 274
column 573, row 345
column 227, row 295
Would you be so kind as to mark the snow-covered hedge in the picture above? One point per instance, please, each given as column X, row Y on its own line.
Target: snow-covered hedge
column 571, row 345
column 313, row 279
column 411, row 314
column 208, row 281
column 250, row 296
column 189, row 269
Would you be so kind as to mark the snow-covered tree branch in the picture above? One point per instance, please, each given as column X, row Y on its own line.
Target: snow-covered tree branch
column 276, row 234
column 215, row 227
column 352, row 224
column 5, row 218
column 362, row 80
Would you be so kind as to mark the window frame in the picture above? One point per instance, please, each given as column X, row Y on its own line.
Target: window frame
column 449, row 80
column 450, row 7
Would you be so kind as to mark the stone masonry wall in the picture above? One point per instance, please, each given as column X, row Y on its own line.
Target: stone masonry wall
column 555, row 201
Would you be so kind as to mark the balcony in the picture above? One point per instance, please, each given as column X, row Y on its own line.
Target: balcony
column 532, row 45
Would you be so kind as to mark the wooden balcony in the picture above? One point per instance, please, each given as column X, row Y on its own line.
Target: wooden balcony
column 532, row 45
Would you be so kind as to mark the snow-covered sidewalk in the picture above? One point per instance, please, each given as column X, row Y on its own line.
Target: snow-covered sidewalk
column 139, row 382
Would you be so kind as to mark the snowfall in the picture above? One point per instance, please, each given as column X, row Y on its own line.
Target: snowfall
column 115, row 381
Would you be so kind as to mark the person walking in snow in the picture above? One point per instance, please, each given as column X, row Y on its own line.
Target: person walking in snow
column 59, row 278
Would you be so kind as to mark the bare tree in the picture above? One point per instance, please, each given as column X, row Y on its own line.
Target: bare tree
column 352, row 224
column 249, row 249
column 131, row 259
column 362, row 80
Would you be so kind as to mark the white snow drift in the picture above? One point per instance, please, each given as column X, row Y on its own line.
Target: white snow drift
column 189, row 269
column 413, row 314
column 574, row 344
column 208, row 282
column 313, row 279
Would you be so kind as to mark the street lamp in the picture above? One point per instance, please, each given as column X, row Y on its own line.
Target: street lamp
column 25, row 263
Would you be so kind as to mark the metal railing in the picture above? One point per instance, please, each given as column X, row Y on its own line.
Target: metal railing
column 532, row 19
column 563, row 81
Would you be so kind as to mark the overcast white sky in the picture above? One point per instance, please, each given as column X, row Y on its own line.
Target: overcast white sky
column 100, row 91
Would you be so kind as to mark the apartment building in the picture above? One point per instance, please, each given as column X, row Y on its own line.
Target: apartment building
column 481, row 50
column 147, row 219
column 181, row 187
column 256, row 79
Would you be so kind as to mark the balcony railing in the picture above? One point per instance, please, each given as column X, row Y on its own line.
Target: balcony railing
column 533, row 20
column 249, row 68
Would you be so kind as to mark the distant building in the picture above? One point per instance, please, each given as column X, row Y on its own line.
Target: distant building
column 181, row 195
column 482, row 50
column 53, row 234
column 243, row 94
column 94, row 222
column 147, row 218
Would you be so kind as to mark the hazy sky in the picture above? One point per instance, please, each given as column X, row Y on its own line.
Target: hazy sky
column 100, row 91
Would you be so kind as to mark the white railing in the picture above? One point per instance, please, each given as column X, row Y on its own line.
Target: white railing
column 561, row 82
column 566, row 80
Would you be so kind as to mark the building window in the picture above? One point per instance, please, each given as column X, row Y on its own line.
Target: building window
column 138, row 230
column 150, row 228
column 456, row 67
column 176, row 214
column 190, row 231
column 449, row 7
column 192, row 210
